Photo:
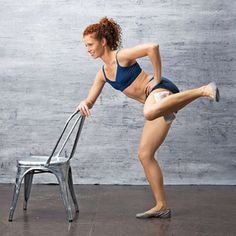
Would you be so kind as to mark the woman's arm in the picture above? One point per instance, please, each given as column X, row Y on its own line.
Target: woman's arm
column 151, row 50
column 94, row 92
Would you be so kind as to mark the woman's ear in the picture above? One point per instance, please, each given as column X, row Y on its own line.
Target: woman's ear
column 104, row 42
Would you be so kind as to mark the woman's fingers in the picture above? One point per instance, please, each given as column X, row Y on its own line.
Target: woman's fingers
column 150, row 86
column 84, row 110
column 78, row 109
column 87, row 112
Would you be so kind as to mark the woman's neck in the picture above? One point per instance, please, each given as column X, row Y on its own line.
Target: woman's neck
column 108, row 57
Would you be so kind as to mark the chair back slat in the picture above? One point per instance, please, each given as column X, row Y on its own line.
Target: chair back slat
column 82, row 118
column 77, row 136
column 68, row 136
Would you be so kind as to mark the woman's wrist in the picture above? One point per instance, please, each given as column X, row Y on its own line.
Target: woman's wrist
column 89, row 104
column 157, row 79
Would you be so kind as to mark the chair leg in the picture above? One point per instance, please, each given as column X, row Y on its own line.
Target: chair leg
column 64, row 191
column 27, row 187
column 19, row 178
column 72, row 191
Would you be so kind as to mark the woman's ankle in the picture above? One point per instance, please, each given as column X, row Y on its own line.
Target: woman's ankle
column 162, row 205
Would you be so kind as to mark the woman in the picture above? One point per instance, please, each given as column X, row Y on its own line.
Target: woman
column 161, row 98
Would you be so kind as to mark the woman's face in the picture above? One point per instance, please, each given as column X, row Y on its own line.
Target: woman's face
column 94, row 47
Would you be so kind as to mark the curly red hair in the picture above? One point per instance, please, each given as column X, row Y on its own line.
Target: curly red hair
column 108, row 29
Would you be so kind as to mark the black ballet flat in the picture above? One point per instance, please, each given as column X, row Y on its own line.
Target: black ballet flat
column 216, row 92
column 162, row 214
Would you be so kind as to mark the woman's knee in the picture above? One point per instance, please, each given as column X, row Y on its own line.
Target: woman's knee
column 151, row 114
column 144, row 155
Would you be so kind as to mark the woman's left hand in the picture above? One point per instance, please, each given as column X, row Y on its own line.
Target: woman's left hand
column 150, row 86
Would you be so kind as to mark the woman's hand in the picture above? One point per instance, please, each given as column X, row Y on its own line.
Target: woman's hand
column 83, row 108
column 150, row 86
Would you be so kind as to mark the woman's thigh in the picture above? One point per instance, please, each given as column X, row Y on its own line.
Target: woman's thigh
column 153, row 134
column 151, row 103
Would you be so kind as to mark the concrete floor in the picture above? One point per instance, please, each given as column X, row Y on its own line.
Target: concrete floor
column 110, row 210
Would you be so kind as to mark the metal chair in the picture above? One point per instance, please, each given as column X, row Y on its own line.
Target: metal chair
column 55, row 164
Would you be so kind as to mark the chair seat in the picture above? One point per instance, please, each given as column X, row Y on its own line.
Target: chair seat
column 41, row 161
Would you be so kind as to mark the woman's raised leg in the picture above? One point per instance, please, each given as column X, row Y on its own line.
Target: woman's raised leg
column 177, row 101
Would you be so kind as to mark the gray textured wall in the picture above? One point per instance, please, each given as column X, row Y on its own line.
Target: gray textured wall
column 45, row 71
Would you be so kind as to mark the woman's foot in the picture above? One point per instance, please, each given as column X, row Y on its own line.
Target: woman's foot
column 155, row 212
column 212, row 91
column 161, row 214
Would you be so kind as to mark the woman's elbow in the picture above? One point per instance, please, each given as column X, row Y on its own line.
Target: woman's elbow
column 153, row 47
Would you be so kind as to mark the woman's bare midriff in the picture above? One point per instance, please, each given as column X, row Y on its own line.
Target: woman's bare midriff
column 137, row 89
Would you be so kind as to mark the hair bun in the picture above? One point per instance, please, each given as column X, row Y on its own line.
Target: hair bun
column 104, row 21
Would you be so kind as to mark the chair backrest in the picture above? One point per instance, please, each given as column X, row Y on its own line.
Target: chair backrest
column 78, row 121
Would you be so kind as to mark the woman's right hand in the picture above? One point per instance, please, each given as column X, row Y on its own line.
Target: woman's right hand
column 83, row 108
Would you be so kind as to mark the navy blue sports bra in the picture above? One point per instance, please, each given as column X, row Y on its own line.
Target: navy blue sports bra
column 124, row 75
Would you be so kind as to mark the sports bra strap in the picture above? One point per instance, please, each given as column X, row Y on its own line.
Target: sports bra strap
column 104, row 72
column 117, row 58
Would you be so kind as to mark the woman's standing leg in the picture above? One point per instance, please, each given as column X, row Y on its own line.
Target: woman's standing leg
column 153, row 135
